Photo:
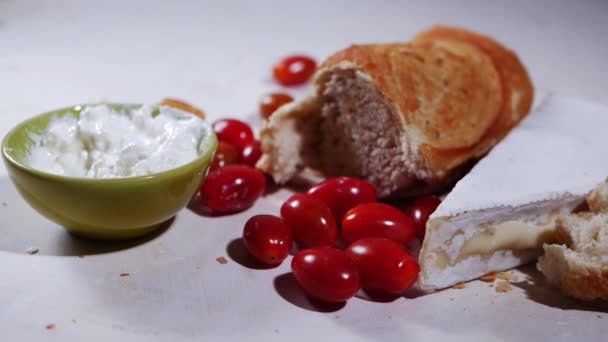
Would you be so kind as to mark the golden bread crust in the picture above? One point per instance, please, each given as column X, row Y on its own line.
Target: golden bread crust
column 518, row 91
column 438, row 87
column 590, row 286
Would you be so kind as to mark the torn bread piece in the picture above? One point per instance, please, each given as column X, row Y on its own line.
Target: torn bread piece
column 598, row 199
column 500, row 214
column 408, row 118
column 578, row 262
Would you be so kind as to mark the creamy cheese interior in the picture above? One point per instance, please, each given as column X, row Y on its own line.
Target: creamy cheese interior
column 104, row 142
column 509, row 235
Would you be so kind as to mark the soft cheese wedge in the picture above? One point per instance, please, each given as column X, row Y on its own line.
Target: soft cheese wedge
column 500, row 214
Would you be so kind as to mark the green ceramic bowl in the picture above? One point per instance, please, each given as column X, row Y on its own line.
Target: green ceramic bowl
column 108, row 209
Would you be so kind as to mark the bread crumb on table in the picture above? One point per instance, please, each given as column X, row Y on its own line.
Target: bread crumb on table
column 32, row 250
column 50, row 326
column 459, row 286
column 490, row 277
column 125, row 274
column 503, row 286
column 507, row 276
column 222, row 260
column 4, row 204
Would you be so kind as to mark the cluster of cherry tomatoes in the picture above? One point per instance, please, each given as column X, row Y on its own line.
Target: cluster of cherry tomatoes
column 233, row 183
column 341, row 211
column 346, row 239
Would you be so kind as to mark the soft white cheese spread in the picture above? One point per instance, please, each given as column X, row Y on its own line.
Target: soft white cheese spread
column 104, row 142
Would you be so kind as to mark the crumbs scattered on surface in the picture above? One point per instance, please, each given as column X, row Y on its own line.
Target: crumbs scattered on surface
column 81, row 256
column 125, row 274
column 222, row 260
column 503, row 286
column 32, row 250
column 50, row 326
column 490, row 277
column 459, row 286
column 510, row 277
column 599, row 316
column 4, row 204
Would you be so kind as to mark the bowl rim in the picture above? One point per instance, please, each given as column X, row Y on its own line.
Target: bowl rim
column 209, row 142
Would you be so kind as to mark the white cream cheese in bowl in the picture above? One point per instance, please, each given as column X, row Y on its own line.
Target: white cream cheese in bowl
column 108, row 142
column 112, row 171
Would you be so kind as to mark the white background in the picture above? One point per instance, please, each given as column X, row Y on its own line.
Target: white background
column 218, row 55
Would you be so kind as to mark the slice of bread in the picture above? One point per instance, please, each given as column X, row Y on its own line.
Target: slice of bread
column 517, row 86
column 578, row 265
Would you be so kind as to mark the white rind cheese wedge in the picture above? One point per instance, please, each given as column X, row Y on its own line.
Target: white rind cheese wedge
column 499, row 215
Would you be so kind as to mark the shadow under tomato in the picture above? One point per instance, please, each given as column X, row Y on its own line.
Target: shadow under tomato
column 196, row 206
column 413, row 292
column 381, row 297
column 237, row 251
column 287, row 287
column 377, row 297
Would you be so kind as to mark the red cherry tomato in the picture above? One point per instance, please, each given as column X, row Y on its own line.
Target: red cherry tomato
column 294, row 70
column 377, row 220
column 233, row 131
column 383, row 265
column 271, row 102
column 267, row 238
column 341, row 194
column 326, row 274
column 232, row 188
column 251, row 153
column 225, row 154
column 420, row 210
column 310, row 221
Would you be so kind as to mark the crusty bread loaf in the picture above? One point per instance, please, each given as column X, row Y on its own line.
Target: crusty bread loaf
column 578, row 263
column 403, row 116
